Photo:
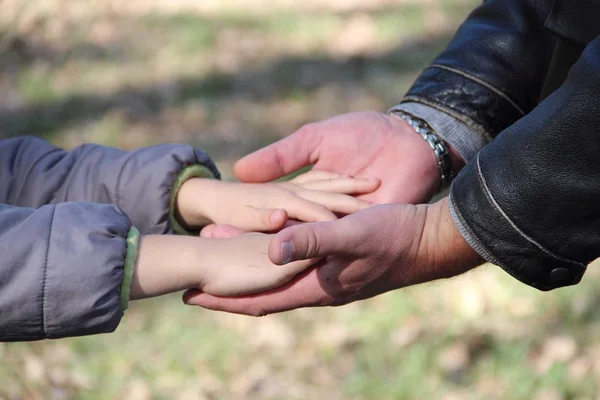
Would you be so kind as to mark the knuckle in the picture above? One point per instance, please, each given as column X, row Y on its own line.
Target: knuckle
column 312, row 244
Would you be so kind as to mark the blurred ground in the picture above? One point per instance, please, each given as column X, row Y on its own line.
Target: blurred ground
column 231, row 76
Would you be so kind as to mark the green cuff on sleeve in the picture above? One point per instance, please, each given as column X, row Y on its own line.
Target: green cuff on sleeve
column 133, row 240
column 193, row 171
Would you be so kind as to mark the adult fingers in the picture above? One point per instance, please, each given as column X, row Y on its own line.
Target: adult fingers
column 343, row 185
column 301, row 209
column 303, row 291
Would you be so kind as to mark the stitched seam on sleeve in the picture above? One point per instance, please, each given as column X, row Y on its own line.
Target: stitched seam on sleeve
column 482, row 83
column 469, row 236
column 483, row 251
column 514, row 226
column 46, row 271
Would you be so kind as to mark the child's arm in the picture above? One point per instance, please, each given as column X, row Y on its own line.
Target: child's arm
column 70, row 269
column 63, row 269
column 142, row 183
column 221, row 267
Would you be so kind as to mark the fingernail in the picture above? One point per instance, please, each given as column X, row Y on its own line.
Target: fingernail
column 287, row 252
column 373, row 180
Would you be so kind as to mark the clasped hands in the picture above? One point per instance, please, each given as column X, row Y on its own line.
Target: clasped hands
column 326, row 261
column 238, row 264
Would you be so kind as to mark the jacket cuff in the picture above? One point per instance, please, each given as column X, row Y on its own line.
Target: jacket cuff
column 133, row 240
column 145, row 183
column 84, row 271
column 476, row 103
column 460, row 136
column 193, row 171
column 495, row 236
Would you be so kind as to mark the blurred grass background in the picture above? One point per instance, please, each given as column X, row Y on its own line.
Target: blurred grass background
column 231, row 76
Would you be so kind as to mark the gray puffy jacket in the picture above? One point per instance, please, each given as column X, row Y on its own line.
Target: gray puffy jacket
column 69, row 226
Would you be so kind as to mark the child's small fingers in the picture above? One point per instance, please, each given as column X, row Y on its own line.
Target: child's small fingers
column 336, row 202
column 313, row 175
column 262, row 219
column 292, row 222
column 305, row 210
column 344, row 185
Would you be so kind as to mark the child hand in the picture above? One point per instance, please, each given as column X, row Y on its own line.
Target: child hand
column 241, row 265
column 312, row 197
column 221, row 267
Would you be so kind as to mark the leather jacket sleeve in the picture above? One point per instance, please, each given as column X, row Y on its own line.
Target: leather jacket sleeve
column 530, row 200
column 492, row 72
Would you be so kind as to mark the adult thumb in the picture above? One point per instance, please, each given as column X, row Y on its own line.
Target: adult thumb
column 280, row 158
column 314, row 240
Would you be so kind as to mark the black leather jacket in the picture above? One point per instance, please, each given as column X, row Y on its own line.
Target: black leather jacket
column 530, row 202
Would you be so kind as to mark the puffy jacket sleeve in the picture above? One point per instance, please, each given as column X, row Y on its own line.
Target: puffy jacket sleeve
column 62, row 269
column 492, row 72
column 530, row 201
column 142, row 183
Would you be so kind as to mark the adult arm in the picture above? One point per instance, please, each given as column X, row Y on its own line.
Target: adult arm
column 528, row 204
column 490, row 75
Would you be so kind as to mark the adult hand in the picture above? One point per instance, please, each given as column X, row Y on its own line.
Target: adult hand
column 368, row 253
column 362, row 144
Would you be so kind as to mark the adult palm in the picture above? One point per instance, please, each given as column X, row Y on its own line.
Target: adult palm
column 362, row 144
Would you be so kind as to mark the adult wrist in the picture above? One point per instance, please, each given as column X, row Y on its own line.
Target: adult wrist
column 464, row 139
column 439, row 148
column 445, row 249
column 458, row 163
